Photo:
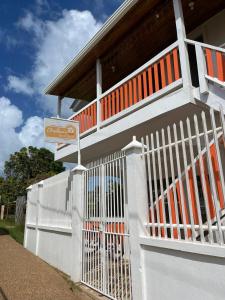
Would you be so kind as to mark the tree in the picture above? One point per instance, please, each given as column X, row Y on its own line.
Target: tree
column 26, row 167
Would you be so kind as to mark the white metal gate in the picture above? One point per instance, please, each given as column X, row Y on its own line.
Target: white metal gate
column 106, row 252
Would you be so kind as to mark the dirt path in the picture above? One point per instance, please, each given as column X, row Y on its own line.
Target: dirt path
column 24, row 276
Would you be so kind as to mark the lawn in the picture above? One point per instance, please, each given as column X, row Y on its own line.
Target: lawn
column 15, row 231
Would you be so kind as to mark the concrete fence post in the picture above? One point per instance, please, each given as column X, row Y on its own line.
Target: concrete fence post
column 29, row 189
column 2, row 211
column 39, row 201
column 77, row 219
column 137, row 210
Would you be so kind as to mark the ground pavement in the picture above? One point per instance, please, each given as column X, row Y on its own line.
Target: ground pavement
column 24, row 276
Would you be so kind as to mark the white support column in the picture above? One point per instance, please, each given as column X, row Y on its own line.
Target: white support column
column 202, row 69
column 39, row 201
column 138, row 212
column 29, row 189
column 98, row 90
column 181, row 35
column 59, row 107
column 77, row 220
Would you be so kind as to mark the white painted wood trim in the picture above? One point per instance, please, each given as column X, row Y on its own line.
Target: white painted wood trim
column 59, row 107
column 205, row 45
column 50, row 228
column 181, row 35
column 191, row 247
column 161, row 93
column 201, row 65
column 78, row 112
column 98, row 90
column 215, row 80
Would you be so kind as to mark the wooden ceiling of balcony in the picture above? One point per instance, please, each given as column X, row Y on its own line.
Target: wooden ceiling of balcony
column 143, row 32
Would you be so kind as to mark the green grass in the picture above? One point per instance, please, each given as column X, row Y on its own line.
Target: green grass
column 15, row 231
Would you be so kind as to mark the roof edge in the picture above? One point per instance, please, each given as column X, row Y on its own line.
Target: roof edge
column 108, row 25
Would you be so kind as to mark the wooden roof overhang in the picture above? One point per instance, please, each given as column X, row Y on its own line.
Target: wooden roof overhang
column 137, row 31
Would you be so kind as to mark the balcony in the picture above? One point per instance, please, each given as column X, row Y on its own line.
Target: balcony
column 156, row 88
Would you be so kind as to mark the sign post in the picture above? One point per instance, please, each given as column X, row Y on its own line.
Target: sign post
column 62, row 131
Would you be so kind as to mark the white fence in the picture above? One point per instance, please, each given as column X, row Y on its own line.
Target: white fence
column 185, row 176
column 48, row 231
column 154, row 211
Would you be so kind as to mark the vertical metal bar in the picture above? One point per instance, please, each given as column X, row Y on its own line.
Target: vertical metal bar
column 151, row 211
column 173, row 181
column 125, row 213
column 122, row 241
column 215, row 136
column 104, row 229
column 212, row 179
column 167, row 182
column 161, row 184
column 202, row 175
column 193, row 166
column 180, row 182
column 187, row 181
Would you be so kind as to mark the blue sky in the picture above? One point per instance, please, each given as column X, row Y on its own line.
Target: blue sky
column 37, row 39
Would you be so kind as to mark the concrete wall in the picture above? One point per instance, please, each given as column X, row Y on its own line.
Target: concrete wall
column 56, row 249
column 174, row 274
column 48, row 231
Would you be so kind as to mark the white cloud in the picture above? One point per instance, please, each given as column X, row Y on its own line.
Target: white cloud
column 20, row 85
column 31, row 132
column 56, row 43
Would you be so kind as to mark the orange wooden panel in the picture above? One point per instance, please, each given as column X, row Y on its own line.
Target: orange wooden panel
column 183, row 208
column 135, row 89
column 156, row 77
column 121, row 99
column 82, row 121
column 117, row 101
column 193, row 196
column 102, row 109
column 161, row 217
column 216, row 173
column 89, row 117
column 113, row 103
column 94, row 114
column 126, row 95
column 150, row 83
column 209, row 62
column 109, row 106
column 145, row 84
column 162, row 72
column 173, row 214
column 169, row 69
column 140, row 96
column 130, row 93
column 106, row 108
column 220, row 66
column 176, row 64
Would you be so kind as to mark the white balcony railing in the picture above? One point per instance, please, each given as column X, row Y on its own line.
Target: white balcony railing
column 155, row 78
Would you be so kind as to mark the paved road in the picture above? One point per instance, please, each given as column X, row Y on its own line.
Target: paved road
column 24, row 276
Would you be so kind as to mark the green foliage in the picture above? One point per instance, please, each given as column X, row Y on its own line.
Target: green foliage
column 15, row 231
column 25, row 167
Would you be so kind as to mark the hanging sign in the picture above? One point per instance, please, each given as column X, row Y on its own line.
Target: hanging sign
column 61, row 131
